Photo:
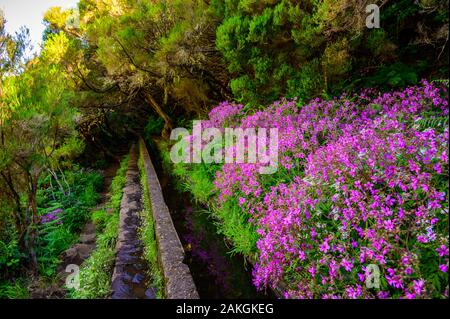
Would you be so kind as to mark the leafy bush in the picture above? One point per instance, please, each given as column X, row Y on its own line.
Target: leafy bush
column 53, row 241
column 236, row 225
column 361, row 180
column 153, row 127
column 95, row 274
column 63, row 212
column 100, row 218
column 199, row 184
column 305, row 48
column 10, row 256
column 79, row 194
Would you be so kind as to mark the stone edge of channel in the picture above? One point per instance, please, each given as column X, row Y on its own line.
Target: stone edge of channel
column 179, row 283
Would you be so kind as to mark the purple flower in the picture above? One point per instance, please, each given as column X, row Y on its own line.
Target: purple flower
column 419, row 286
column 364, row 189
column 442, row 251
column 443, row 268
column 347, row 264
column 410, row 295
column 325, row 247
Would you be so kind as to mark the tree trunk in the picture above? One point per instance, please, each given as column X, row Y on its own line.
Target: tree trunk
column 32, row 238
column 18, row 213
column 19, row 225
column 167, row 120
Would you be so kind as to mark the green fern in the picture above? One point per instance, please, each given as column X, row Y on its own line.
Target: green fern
column 436, row 123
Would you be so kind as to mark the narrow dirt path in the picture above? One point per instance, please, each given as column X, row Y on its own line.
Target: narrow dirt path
column 129, row 280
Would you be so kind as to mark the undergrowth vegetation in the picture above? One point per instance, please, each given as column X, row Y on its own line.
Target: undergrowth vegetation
column 147, row 234
column 95, row 273
column 14, row 290
column 62, row 211
column 198, row 180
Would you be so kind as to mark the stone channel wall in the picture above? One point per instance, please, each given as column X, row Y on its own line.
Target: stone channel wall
column 178, row 280
column 129, row 276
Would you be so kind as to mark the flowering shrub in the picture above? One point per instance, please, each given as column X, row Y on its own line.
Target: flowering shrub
column 52, row 216
column 362, row 180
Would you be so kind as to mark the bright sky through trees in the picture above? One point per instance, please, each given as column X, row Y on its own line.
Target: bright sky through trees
column 29, row 13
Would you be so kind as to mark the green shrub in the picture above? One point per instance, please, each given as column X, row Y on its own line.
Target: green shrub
column 10, row 256
column 397, row 75
column 95, row 274
column 307, row 48
column 75, row 217
column 89, row 197
column 53, row 240
column 80, row 193
column 154, row 127
column 14, row 290
column 199, row 184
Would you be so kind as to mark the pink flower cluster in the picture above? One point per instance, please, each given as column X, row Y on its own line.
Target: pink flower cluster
column 361, row 182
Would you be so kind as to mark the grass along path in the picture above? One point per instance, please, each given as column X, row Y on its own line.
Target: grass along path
column 95, row 273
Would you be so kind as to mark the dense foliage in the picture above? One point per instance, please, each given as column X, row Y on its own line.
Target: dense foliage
column 306, row 48
column 160, row 54
column 37, row 135
column 61, row 214
column 363, row 179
